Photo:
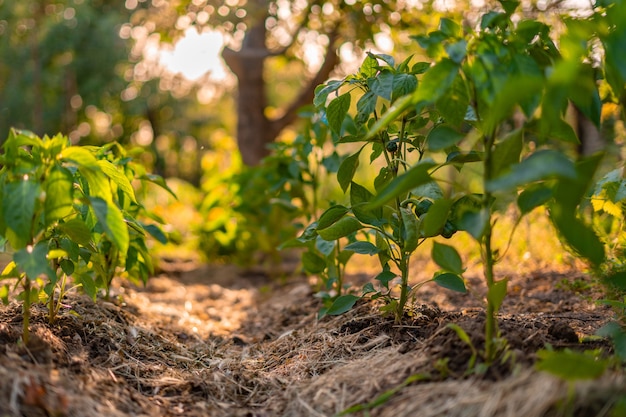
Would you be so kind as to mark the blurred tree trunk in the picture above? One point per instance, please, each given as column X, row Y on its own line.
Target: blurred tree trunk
column 255, row 131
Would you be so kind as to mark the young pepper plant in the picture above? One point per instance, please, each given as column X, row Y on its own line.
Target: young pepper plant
column 59, row 202
column 393, row 231
column 480, row 80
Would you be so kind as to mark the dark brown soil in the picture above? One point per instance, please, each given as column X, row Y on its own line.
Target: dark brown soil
column 221, row 341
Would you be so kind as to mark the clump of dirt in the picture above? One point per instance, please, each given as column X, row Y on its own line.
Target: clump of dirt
column 221, row 341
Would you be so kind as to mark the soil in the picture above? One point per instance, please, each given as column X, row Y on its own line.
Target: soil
column 217, row 340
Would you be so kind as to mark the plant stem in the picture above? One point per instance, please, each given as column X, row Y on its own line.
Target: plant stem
column 404, row 293
column 491, row 327
column 26, row 311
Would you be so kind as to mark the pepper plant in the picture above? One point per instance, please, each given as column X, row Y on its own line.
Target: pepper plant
column 69, row 211
column 494, row 98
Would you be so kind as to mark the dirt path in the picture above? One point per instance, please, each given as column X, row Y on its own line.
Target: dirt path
column 219, row 341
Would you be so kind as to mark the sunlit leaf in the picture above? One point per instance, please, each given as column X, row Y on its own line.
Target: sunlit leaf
column 59, row 194
column 18, row 204
column 77, row 230
column 433, row 222
column 112, row 221
column 118, row 177
column 497, row 292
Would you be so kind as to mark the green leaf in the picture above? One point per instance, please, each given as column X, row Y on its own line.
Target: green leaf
column 342, row 228
column 403, row 84
column 473, row 221
column 436, row 81
column 81, row 157
column 433, row 222
column 98, row 183
column 447, row 258
column 443, row 136
column 67, row 266
column 449, row 27
column 541, row 165
column 33, row 261
column 402, row 184
column 158, row 180
column 382, row 85
column 347, row 169
column 363, row 248
column 533, row 197
column 19, row 201
column 506, row 153
column 118, row 177
column 331, row 215
column 451, row 281
column 59, row 194
column 322, row 91
column 312, row 263
column 497, row 292
column 342, row 304
column 156, row 232
column 359, row 198
column 571, row 366
column 569, row 193
column 112, row 221
column 336, row 112
column 77, row 231
column 580, row 238
column 369, row 67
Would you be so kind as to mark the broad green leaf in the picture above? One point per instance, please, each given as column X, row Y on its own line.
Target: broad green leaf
column 457, row 157
column 506, row 153
column 67, row 266
column 581, row 239
column 342, row 228
column 473, row 221
column 81, row 157
column 19, row 201
column 342, row 304
column 359, row 198
column 447, row 258
column 118, row 177
column 312, row 263
column 363, row 248
column 450, row 281
column 331, row 215
column 450, row 28
column 382, row 85
column 443, row 136
column 457, row 50
column 403, row 84
column 365, row 107
column 347, row 169
column 523, row 90
column 33, row 261
column 433, row 222
column 436, row 81
column 401, row 185
column 497, row 292
column 454, row 103
column 88, row 284
column 112, row 221
column 533, row 197
column 77, row 231
column 369, row 67
column 98, row 183
column 325, row 247
column 59, row 194
column 322, row 91
column 571, row 366
column 336, row 112
column 541, row 165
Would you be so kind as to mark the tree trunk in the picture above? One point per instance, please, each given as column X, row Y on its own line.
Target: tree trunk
column 255, row 131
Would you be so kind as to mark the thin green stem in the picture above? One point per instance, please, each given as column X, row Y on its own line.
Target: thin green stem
column 491, row 327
